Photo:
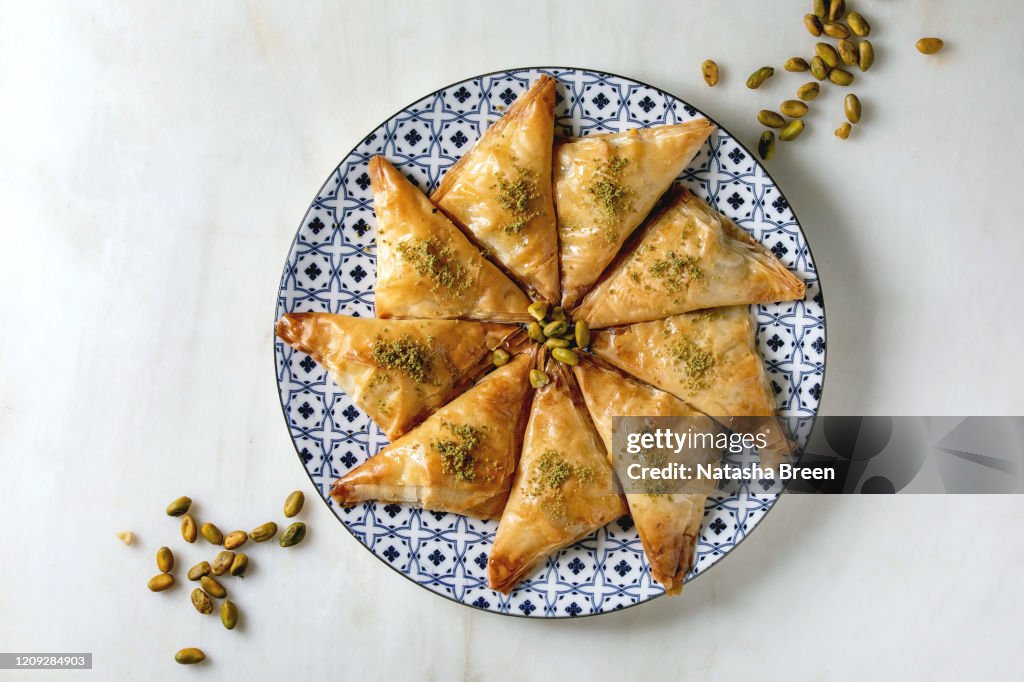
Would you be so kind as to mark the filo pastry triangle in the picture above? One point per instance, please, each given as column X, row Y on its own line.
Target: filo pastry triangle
column 688, row 257
column 563, row 489
column 707, row 359
column 396, row 371
column 605, row 185
column 426, row 267
column 461, row 459
column 668, row 524
column 500, row 191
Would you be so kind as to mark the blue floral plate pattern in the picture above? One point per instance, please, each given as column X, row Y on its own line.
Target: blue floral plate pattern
column 331, row 267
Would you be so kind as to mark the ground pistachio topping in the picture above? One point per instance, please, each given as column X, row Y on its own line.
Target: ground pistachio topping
column 457, row 455
column 430, row 258
column 697, row 361
column 515, row 197
column 408, row 356
column 610, row 195
column 676, row 272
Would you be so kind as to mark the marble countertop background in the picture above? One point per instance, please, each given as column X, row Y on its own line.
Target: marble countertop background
column 155, row 160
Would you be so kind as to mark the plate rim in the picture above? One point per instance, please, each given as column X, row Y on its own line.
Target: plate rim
column 436, row 91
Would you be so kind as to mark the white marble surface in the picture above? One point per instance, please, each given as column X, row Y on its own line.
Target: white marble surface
column 155, row 159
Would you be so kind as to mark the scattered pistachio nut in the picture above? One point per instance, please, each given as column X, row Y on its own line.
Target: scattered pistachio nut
column 164, row 560
column 833, row 29
column 179, row 506
column 535, row 332
column 222, row 562
column 293, row 505
column 840, row 77
column 263, row 532
column 843, row 131
column 538, row 310
column 125, row 536
column 808, row 91
column 767, row 117
column 201, row 601
column 212, row 534
column 239, row 565
column 190, row 656
column 819, row 69
column 851, row 105
column 865, row 54
column 793, row 108
column 212, row 587
column 199, row 570
column 582, row 334
column 847, row 52
column 229, row 614
column 566, row 355
column 555, row 342
column 820, row 8
column 555, row 328
column 188, row 528
column 792, row 130
column 500, row 357
column 766, row 145
column 160, row 582
column 813, row 24
column 827, row 53
column 858, row 24
column 796, row 64
column 235, row 539
column 929, row 45
column 709, row 69
column 836, row 9
column 293, row 534
column 760, row 76
column 558, row 313
column 538, row 379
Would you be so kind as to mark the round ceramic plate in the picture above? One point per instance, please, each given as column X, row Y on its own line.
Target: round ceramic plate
column 331, row 268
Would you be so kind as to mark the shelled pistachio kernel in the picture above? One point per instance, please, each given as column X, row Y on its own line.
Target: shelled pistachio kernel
column 858, row 24
column 160, row 582
column 557, row 342
column 239, row 565
column 759, row 76
column 229, row 614
column 222, row 562
column 840, row 77
column 793, row 108
column 558, row 313
column 827, row 53
column 190, row 656
column 796, row 64
column 843, row 131
column 865, row 55
column 929, row 45
column 535, row 332
column 293, row 534
column 164, row 560
column 538, row 310
column 179, row 506
column 820, row 9
column 211, row 534
column 819, row 69
column 235, row 539
column 293, row 505
column 538, row 379
column 199, row 570
column 566, row 355
column 555, row 328
column 851, row 105
column 188, row 528
column 792, row 130
column 813, row 24
column 201, row 601
column 836, row 9
column 709, row 69
column 833, row 29
column 847, row 52
column 582, row 334
column 263, row 532
column 212, row 587
column 808, row 91
column 500, row 357
column 766, row 145
column 767, row 117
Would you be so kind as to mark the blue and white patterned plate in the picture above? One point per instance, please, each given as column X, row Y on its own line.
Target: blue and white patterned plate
column 331, row 267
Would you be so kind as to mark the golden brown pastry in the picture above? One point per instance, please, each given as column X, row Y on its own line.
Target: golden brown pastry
column 426, row 267
column 689, row 257
column 500, row 191
column 396, row 371
column 706, row 358
column 563, row 489
column 605, row 185
column 461, row 459
column 668, row 524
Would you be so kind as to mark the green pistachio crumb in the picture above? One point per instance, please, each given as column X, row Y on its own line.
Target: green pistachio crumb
column 410, row 357
column 430, row 258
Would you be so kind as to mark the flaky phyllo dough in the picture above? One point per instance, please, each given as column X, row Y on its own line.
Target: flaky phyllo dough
column 570, row 222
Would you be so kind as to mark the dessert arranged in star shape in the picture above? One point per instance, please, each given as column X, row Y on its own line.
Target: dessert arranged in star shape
column 497, row 398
